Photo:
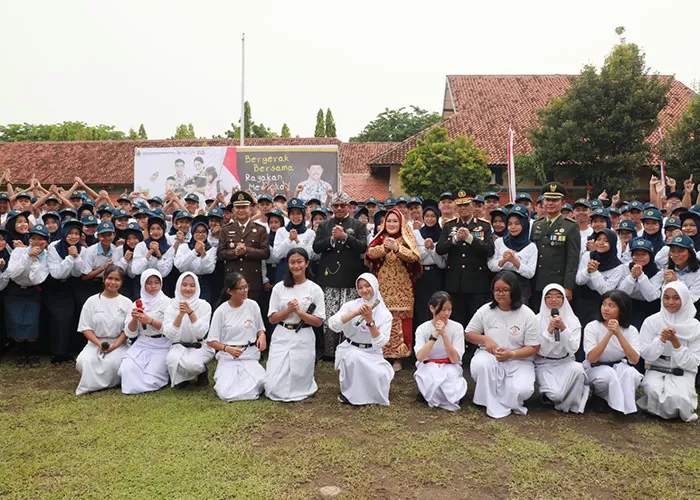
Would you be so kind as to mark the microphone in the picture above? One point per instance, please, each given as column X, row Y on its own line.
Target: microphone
column 139, row 304
column 557, row 338
column 104, row 346
column 374, row 304
column 302, row 324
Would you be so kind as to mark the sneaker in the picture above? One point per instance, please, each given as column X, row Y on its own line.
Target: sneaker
column 34, row 362
column 203, row 379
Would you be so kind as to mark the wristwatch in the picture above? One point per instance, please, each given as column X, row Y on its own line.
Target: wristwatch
column 371, row 324
column 433, row 338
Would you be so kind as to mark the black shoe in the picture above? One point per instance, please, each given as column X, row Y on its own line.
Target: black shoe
column 22, row 362
column 34, row 362
column 342, row 399
column 203, row 379
column 182, row 385
column 420, row 398
column 545, row 401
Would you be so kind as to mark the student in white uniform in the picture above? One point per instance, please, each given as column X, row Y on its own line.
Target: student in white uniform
column 670, row 343
column 294, row 235
column 439, row 350
column 560, row 378
column 507, row 335
column 364, row 374
column 611, row 344
column 643, row 281
column 515, row 252
column 143, row 368
column 290, row 365
column 102, row 323
column 237, row 333
column 432, row 279
column 124, row 257
column 683, row 265
column 199, row 257
column 155, row 252
column 186, row 325
column 599, row 271
column 626, row 232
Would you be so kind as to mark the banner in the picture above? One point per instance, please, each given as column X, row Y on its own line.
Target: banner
column 207, row 171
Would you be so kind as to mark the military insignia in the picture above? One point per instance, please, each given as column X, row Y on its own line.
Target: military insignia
column 552, row 188
column 350, row 231
column 241, row 197
column 325, row 272
column 640, row 243
column 462, row 194
column 231, row 244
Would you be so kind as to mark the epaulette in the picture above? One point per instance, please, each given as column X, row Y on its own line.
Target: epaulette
column 484, row 220
column 571, row 220
column 541, row 218
column 449, row 220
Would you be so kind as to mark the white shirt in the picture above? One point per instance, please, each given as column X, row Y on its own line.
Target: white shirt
column 527, row 256
column 157, row 312
column 139, row 263
column 105, row 316
column 62, row 269
column 428, row 257
column 24, row 271
column 692, row 281
column 584, row 238
column 283, row 244
column 306, row 294
column 236, row 325
column 642, row 288
column 569, row 341
column 93, row 258
column 359, row 333
column 119, row 260
column 454, row 332
column 598, row 281
column 594, row 333
column 186, row 259
column 509, row 329
column 187, row 331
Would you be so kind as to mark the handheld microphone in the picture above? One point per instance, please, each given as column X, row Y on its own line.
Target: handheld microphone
column 104, row 346
column 139, row 304
column 557, row 338
column 302, row 324
column 374, row 304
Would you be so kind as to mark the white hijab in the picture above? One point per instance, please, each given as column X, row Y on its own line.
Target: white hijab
column 381, row 312
column 150, row 302
column 566, row 313
column 195, row 302
column 683, row 321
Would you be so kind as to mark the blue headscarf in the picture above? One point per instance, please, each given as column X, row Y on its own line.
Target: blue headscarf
column 517, row 243
column 192, row 241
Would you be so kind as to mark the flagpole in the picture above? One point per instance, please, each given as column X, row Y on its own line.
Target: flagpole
column 243, row 90
column 511, row 164
column 662, row 163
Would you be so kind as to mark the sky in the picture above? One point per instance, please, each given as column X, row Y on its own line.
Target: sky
column 162, row 63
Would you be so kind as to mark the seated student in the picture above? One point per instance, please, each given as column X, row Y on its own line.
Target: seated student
column 102, row 323
column 364, row 374
column 670, row 343
column 683, row 266
column 643, row 281
column 186, row 325
column 237, row 333
column 199, row 257
column 66, row 269
column 599, row 271
column 515, row 252
column 439, row 350
column 28, row 268
column 560, row 378
column 290, row 364
column 143, row 368
column 611, row 344
column 507, row 335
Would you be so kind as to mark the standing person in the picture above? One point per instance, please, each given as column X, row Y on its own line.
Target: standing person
column 611, row 344
column 393, row 257
column 499, row 226
column 243, row 244
column 558, row 245
column 154, row 252
column 296, row 305
column 447, row 207
column 582, row 215
column 340, row 241
column 65, row 268
column 515, row 252
column 507, row 334
column 124, row 258
column 96, row 258
column 433, row 277
column 467, row 242
column 364, row 374
column 199, row 258
column 560, row 378
column 143, row 368
column 670, row 343
column 102, row 323
column 237, row 333
column 683, row 265
column 294, row 234
column 28, row 269
column 439, row 350
column 186, row 325
column 642, row 281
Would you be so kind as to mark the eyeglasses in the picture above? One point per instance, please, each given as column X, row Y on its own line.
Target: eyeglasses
column 241, row 288
column 551, row 297
column 339, row 205
column 501, row 291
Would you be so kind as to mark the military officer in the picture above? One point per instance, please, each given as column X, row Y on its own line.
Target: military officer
column 468, row 243
column 243, row 245
column 558, row 245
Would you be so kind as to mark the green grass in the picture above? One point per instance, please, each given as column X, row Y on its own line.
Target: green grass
column 188, row 444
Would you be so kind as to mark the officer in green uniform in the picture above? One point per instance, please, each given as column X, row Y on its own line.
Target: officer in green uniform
column 243, row 244
column 558, row 245
column 468, row 243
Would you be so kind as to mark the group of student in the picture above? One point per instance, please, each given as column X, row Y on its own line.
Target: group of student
column 65, row 263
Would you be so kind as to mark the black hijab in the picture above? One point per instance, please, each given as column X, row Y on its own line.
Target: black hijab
column 163, row 245
column 62, row 246
column 435, row 231
column 608, row 260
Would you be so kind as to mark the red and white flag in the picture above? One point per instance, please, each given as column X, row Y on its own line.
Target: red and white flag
column 511, row 164
column 662, row 163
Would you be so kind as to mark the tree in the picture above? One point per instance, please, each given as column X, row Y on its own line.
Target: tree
column 681, row 149
column 285, row 131
column 330, row 124
column 320, row 125
column 395, row 125
column 133, row 136
column 184, row 132
column 438, row 163
column 597, row 129
column 251, row 128
column 142, row 133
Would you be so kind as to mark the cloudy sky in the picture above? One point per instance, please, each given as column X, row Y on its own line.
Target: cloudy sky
column 162, row 63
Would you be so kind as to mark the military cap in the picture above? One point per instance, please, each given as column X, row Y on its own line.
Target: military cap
column 627, row 225
column 89, row 220
column 183, row 214
column 463, row 196
column 192, row 197
column 673, row 222
column 371, row 200
column 24, row 194
column 124, row 197
column 120, row 213
column 296, row 203
column 414, row 200
column 492, row 194
column 652, row 214
column 40, row 230
column 523, row 196
column 641, row 244
column 241, row 199
column 105, row 227
column 635, row 205
column 682, row 241
column 553, row 191
column 216, row 212
column 156, row 199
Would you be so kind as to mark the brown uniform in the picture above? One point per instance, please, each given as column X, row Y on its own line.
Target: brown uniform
column 249, row 264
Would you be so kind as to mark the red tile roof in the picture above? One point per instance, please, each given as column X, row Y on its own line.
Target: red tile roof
column 486, row 104
column 355, row 155
column 362, row 186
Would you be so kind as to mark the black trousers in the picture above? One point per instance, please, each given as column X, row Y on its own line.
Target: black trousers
column 62, row 315
column 432, row 280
